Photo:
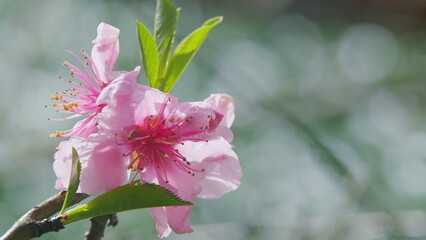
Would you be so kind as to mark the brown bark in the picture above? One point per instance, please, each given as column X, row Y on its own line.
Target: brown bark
column 35, row 222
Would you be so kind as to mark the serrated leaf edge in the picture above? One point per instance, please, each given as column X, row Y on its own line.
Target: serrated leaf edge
column 152, row 185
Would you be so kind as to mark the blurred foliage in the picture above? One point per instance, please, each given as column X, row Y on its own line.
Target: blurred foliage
column 330, row 125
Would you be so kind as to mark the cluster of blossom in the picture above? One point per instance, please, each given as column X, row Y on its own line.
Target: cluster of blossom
column 132, row 132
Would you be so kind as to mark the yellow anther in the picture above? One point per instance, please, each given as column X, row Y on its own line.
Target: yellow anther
column 72, row 73
column 56, row 97
column 69, row 106
column 57, row 134
column 65, row 63
column 135, row 155
column 66, row 107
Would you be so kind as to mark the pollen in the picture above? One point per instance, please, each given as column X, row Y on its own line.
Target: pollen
column 56, row 97
column 70, row 106
column 57, row 134
column 66, row 107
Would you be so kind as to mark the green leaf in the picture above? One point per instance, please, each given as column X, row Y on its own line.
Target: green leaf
column 125, row 198
column 74, row 180
column 166, row 17
column 149, row 53
column 184, row 52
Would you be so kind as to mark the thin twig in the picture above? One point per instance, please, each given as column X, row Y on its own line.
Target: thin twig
column 98, row 224
column 34, row 222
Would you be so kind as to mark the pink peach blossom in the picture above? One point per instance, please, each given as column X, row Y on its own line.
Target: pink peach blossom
column 96, row 73
column 183, row 147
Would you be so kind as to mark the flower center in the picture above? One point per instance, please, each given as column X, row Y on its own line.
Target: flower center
column 153, row 144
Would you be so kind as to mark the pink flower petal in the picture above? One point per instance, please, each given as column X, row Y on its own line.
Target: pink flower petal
column 172, row 218
column 121, row 98
column 223, row 104
column 106, row 50
column 222, row 170
column 103, row 168
column 186, row 187
column 152, row 102
column 178, row 219
column 201, row 116
column 62, row 164
column 160, row 217
column 106, row 169
column 224, row 132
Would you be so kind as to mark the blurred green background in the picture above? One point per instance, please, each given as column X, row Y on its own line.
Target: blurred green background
column 330, row 118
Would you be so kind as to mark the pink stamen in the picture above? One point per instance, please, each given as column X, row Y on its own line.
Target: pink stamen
column 81, row 98
column 153, row 142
